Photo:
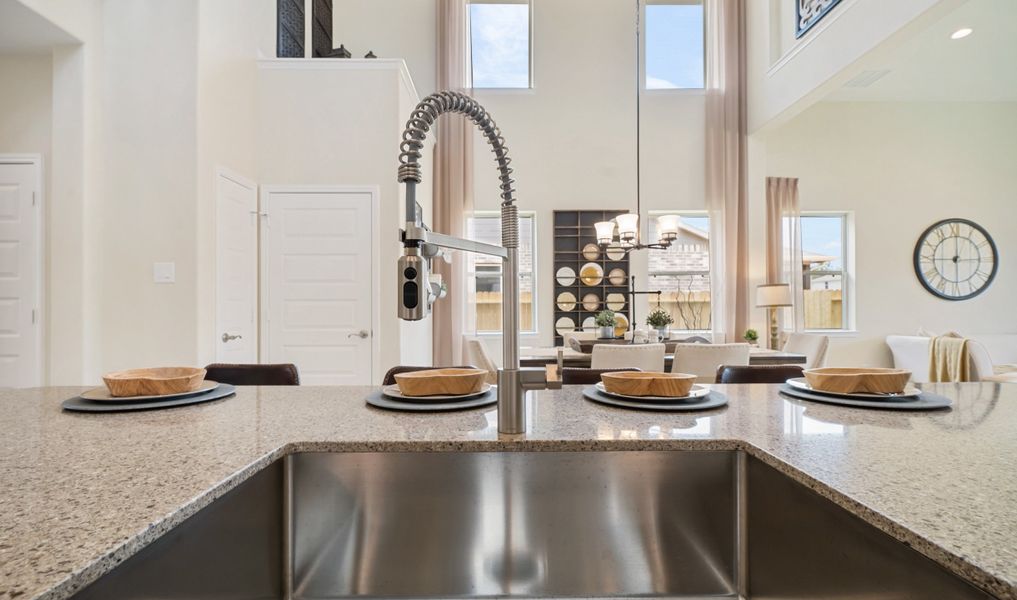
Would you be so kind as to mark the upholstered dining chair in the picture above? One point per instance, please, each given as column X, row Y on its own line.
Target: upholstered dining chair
column 757, row 373
column 571, row 339
column 477, row 355
column 811, row 345
column 702, row 360
column 390, row 379
column 579, row 376
column 239, row 374
column 645, row 357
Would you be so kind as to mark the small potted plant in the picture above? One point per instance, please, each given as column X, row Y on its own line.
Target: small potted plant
column 660, row 319
column 606, row 322
column 751, row 336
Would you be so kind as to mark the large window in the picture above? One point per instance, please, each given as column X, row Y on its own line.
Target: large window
column 500, row 43
column 674, row 50
column 682, row 273
column 485, row 273
column 825, row 279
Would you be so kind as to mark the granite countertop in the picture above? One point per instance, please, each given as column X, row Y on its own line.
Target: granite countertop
column 81, row 492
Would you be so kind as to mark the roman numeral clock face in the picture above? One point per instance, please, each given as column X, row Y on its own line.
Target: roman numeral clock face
column 956, row 259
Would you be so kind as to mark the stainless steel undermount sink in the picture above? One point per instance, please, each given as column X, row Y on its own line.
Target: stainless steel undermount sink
column 693, row 524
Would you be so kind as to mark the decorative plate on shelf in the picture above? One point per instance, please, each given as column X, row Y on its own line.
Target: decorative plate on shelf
column 616, row 277
column 591, row 302
column 591, row 252
column 565, row 276
column 564, row 325
column 566, row 301
column 591, row 274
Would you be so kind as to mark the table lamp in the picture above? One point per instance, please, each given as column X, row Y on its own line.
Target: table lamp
column 772, row 296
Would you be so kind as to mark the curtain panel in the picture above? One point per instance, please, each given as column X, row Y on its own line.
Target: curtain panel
column 726, row 186
column 784, row 246
column 453, row 179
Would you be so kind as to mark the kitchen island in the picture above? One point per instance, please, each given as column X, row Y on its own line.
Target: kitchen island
column 83, row 492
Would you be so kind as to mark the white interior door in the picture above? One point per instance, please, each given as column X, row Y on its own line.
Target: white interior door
column 20, row 197
column 236, row 281
column 317, row 284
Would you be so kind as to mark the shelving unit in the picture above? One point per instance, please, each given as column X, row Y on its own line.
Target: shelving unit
column 573, row 232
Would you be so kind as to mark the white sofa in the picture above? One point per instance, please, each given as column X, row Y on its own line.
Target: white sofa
column 911, row 352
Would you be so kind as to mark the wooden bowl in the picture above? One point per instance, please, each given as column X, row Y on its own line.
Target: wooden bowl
column 154, row 382
column 648, row 383
column 446, row 382
column 844, row 380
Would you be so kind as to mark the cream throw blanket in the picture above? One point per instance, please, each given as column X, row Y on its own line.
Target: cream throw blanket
column 948, row 359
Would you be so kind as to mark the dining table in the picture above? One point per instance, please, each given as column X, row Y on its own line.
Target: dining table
column 542, row 356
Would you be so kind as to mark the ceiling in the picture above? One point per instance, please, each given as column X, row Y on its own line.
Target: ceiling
column 23, row 31
column 931, row 67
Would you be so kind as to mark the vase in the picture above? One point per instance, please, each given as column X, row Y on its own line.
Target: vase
column 663, row 333
column 605, row 333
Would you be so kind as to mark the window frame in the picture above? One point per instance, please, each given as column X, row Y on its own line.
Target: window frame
column 471, row 275
column 847, row 272
column 700, row 91
column 653, row 214
column 529, row 58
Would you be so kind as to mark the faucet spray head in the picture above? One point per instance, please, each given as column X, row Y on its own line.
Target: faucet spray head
column 414, row 303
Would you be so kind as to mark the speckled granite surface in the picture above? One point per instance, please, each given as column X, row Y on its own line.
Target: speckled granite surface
column 82, row 492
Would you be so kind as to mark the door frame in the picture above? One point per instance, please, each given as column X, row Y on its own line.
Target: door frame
column 375, row 193
column 41, row 259
column 222, row 172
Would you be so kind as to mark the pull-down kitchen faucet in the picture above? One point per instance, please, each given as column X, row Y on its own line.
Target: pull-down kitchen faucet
column 420, row 245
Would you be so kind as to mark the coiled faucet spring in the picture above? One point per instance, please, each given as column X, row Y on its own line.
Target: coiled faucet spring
column 423, row 117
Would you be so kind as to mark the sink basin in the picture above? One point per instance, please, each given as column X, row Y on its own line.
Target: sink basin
column 689, row 524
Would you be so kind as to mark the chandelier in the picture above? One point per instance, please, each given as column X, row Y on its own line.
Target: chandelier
column 629, row 236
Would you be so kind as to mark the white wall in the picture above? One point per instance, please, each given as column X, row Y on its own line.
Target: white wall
column 786, row 75
column 148, row 205
column 901, row 167
column 26, row 105
column 227, row 132
column 572, row 138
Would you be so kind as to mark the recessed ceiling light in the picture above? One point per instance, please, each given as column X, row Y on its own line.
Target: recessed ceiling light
column 961, row 33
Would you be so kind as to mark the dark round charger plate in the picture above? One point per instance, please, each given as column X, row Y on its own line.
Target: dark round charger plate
column 79, row 404
column 714, row 399
column 926, row 401
column 380, row 400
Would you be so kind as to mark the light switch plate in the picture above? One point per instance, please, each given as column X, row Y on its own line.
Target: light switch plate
column 164, row 272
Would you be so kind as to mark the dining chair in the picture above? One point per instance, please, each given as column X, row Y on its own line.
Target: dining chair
column 390, row 379
column 580, row 376
column 702, row 360
column 645, row 357
column 571, row 339
column 757, row 373
column 249, row 374
column 476, row 354
column 811, row 345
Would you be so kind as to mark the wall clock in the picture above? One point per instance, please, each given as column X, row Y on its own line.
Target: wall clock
column 956, row 259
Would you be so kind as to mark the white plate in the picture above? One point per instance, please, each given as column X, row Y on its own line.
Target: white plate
column 801, row 383
column 393, row 391
column 101, row 394
column 697, row 391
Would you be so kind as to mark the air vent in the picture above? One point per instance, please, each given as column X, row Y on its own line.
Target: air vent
column 866, row 78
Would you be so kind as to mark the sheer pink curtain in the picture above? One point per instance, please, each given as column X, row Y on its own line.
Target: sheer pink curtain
column 453, row 178
column 726, row 189
column 784, row 245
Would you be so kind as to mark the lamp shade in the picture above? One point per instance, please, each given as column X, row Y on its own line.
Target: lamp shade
column 667, row 227
column 628, row 225
column 605, row 231
column 773, row 294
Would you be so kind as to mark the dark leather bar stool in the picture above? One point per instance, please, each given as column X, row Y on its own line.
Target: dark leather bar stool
column 757, row 373
column 579, row 376
column 281, row 374
column 396, row 370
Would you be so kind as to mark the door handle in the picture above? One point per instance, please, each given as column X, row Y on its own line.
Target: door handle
column 362, row 334
column 227, row 337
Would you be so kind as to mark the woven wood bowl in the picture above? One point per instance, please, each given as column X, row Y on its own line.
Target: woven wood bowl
column 648, row 383
column 154, row 382
column 447, row 382
column 844, row 380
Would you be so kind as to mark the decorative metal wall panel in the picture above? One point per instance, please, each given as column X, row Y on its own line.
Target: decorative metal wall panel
column 289, row 28
column 321, row 28
column 810, row 12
